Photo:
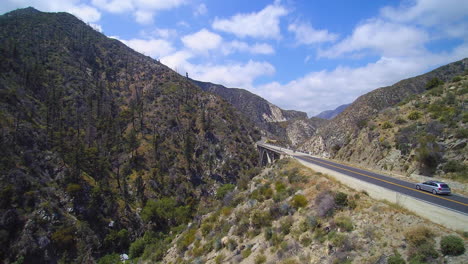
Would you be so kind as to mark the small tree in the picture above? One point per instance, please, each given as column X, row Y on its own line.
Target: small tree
column 434, row 82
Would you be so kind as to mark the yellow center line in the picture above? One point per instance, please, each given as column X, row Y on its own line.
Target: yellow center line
column 375, row 178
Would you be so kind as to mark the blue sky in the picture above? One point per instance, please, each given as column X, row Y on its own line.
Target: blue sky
column 309, row 55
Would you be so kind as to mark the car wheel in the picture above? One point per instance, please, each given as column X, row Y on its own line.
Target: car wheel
column 418, row 187
column 434, row 191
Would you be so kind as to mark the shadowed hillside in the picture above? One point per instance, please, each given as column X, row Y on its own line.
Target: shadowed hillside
column 101, row 144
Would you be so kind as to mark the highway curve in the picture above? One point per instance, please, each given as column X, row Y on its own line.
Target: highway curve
column 453, row 201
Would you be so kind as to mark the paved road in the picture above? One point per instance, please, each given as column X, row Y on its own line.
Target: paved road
column 454, row 202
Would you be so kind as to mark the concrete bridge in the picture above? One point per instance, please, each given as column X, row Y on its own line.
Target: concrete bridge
column 268, row 153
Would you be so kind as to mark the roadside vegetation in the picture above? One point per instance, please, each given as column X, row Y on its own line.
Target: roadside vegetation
column 425, row 134
column 291, row 214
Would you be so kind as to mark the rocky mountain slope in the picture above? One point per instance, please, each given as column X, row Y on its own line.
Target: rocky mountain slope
column 346, row 125
column 259, row 110
column 330, row 114
column 101, row 144
column 274, row 121
column 291, row 214
column 424, row 134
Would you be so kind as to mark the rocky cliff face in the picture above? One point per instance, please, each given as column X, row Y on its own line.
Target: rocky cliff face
column 345, row 126
column 93, row 133
column 254, row 107
column 300, row 130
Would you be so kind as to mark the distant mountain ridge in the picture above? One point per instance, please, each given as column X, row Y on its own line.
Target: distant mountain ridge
column 253, row 106
column 268, row 117
column 330, row 114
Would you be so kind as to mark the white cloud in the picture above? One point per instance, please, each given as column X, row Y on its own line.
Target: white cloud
column 178, row 60
column 240, row 46
column 322, row 90
column 96, row 27
column 381, row 37
column 144, row 16
column 143, row 10
column 306, row 34
column 165, row 33
column 225, row 74
column 155, row 48
column 85, row 12
column 428, row 12
column 200, row 10
column 114, row 6
column 202, row 41
column 263, row 24
column 234, row 74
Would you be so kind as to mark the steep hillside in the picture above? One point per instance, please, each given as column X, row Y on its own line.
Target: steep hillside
column 263, row 113
column 101, row 144
column 424, row 134
column 345, row 126
column 330, row 114
column 290, row 214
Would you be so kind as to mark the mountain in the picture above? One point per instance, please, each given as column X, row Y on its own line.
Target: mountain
column 345, row 126
column 102, row 145
column 330, row 114
column 261, row 112
column 425, row 134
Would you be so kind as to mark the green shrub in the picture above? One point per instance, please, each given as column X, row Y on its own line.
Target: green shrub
column 341, row 199
column 461, row 133
column 415, row 115
column 436, row 91
column 395, row 259
column 337, row 239
column 456, row 79
column 73, row 188
column 362, row 123
column 452, row 245
column 64, row 237
column 137, row 248
column 268, row 233
column 286, row 224
column 298, row 201
column 246, row 252
column 454, row 166
column 280, row 186
column 260, row 259
column 117, row 240
column 110, row 259
column 266, row 192
column 434, row 82
column 261, row 218
column 306, row 241
column 206, row 228
column 345, row 223
column 223, row 190
column 220, row 258
column 400, row 120
column 165, row 211
column 186, row 239
column 387, row 125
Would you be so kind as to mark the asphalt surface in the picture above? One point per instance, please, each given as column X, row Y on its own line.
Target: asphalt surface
column 453, row 201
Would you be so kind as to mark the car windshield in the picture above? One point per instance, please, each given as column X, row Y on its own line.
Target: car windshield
column 444, row 185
